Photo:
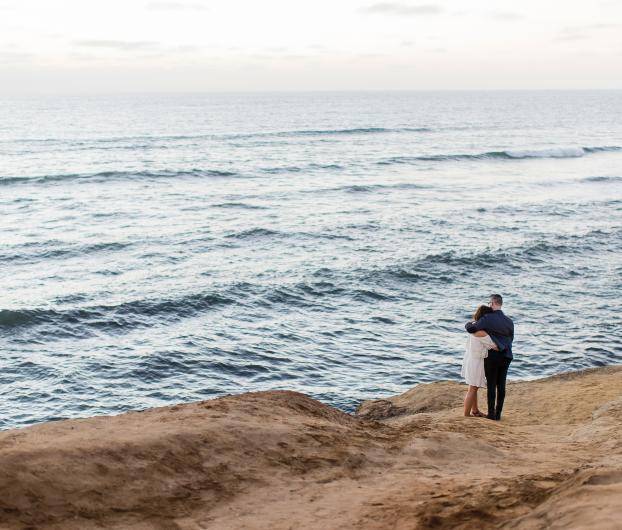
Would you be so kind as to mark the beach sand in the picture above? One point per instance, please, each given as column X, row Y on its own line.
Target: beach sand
column 281, row 460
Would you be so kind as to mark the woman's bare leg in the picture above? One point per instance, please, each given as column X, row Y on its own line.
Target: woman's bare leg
column 469, row 399
column 474, row 407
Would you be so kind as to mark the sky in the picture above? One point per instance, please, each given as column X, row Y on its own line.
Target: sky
column 121, row 46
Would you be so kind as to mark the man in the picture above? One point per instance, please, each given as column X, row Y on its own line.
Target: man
column 501, row 331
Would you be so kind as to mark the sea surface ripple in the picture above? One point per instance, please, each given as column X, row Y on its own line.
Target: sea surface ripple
column 167, row 248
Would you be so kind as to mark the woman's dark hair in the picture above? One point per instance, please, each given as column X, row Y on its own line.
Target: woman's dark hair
column 481, row 311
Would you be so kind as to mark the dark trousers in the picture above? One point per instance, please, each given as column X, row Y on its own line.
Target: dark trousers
column 496, row 370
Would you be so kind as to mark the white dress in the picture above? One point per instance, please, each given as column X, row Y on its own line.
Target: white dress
column 473, row 363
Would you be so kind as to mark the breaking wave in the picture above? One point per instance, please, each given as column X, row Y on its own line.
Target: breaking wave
column 554, row 152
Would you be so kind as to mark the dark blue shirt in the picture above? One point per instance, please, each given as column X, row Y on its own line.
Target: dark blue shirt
column 499, row 327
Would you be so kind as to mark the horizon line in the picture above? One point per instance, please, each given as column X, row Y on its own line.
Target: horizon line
column 301, row 91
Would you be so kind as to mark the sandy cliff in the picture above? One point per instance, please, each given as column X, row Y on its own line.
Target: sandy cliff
column 280, row 460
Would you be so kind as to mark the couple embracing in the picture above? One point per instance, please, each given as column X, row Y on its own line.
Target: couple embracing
column 487, row 358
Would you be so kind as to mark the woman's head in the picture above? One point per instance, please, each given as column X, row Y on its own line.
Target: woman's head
column 481, row 311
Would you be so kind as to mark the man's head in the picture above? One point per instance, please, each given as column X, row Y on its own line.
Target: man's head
column 496, row 301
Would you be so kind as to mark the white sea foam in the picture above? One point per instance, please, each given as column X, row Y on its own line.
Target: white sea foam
column 552, row 152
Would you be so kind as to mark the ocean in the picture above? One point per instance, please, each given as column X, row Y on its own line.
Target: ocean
column 158, row 249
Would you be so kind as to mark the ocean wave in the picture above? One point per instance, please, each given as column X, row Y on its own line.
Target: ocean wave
column 281, row 169
column 104, row 176
column 553, row 152
column 254, row 233
column 240, row 205
column 355, row 130
column 297, row 169
column 311, row 294
column 92, row 143
column 603, row 178
column 385, row 283
column 87, row 320
column 317, row 290
column 258, row 232
column 448, row 265
column 326, row 166
column 366, row 188
column 137, row 313
column 352, row 131
column 107, row 176
column 55, row 249
column 604, row 148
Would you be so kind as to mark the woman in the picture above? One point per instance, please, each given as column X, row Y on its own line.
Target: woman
column 477, row 348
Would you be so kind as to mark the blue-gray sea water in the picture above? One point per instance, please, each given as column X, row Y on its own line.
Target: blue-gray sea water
column 171, row 248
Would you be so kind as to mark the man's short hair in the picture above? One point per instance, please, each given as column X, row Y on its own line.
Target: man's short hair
column 496, row 299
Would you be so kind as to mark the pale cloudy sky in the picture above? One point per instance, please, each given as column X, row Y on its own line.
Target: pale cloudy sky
column 100, row 46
